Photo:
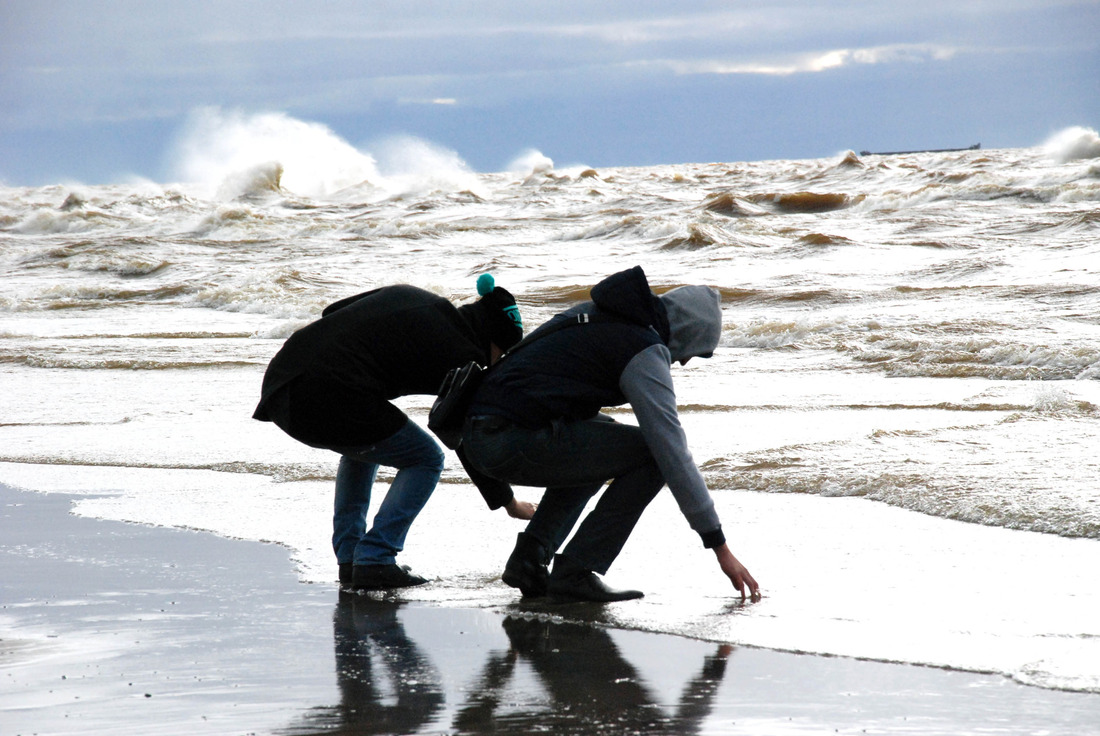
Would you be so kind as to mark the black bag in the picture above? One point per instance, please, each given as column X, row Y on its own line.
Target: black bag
column 448, row 412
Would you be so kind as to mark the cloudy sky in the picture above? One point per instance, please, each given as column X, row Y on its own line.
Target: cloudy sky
column 95, row 91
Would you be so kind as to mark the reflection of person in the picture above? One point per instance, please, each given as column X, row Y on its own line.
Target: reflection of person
column 387, row 684
column 534, row 421
column 589, row 687
column 330, row 386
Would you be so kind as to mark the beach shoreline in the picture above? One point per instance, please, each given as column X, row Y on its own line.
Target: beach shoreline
column 117, row 627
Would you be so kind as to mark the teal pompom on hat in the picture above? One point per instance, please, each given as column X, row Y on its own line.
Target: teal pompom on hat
column 502, row 318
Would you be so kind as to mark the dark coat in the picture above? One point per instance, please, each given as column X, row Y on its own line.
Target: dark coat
column 331, row 383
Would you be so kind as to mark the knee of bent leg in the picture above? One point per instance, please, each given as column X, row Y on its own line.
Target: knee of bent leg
column 434, row 461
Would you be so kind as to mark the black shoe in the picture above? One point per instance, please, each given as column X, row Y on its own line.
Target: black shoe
column 571, row 582
column 527, row 566
column 384, row 577
column 345, row 574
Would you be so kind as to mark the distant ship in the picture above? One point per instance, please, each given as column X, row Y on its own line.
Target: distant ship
column 974, row 147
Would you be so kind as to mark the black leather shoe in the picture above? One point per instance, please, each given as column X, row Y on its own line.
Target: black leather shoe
column 527, row 566
column 571, row 582
column 345, row 574
column 384, row 577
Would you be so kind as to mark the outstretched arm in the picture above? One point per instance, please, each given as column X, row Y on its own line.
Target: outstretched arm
column 647, row 384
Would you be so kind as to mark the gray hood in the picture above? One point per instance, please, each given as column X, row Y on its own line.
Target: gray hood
column 694, row 320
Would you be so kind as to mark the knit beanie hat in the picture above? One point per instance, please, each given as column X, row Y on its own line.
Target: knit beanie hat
column 501, row 318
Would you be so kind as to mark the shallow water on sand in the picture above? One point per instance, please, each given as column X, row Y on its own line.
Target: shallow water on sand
column 120, row 628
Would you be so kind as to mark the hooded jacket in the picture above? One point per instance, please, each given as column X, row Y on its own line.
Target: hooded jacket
column 573, row 373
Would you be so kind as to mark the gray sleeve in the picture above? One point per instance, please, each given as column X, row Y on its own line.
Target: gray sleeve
column 647, row 385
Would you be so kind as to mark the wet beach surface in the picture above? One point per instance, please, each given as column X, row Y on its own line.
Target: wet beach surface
column 111, row 627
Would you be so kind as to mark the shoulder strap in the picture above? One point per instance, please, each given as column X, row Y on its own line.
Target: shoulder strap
column 549, row 329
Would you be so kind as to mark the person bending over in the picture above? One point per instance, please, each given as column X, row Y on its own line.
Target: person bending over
column 331, row 384
column 535, row 421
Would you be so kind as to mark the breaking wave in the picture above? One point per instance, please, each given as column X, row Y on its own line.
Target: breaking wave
column 234, row 155
column 216, row 146
column 1073, row 144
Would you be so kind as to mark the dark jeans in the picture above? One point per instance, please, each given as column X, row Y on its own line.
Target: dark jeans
column 419, row 463
column 573, row 459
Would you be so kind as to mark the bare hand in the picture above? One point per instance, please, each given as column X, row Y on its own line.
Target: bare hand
column 738, row 574
column 521, row 509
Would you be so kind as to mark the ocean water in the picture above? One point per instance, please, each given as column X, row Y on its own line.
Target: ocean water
column 899, row 428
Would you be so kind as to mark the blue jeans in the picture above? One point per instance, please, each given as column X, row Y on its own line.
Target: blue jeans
column 419, row 463
column 573, row 459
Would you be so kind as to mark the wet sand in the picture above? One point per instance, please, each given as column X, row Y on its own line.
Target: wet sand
column 109, row 627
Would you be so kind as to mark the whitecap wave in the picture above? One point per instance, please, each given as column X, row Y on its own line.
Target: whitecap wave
column 233, row 155
column 215, row 146
column 531, row 163
column 260, row 179
column 412, row 166
column 1073, row 144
